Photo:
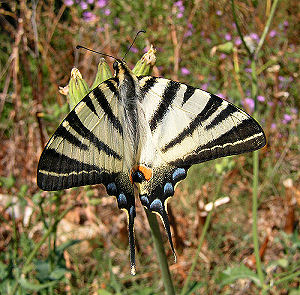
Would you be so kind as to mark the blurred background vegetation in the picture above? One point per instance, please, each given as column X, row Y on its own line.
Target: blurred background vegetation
column 75, row 242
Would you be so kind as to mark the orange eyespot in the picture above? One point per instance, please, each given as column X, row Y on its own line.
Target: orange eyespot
column 144, row 172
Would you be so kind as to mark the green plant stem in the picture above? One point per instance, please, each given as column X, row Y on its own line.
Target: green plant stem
column 201, row 240
column 161, row 254
column 266, row 29
column 26, row 268
column 254, row 88
column 287, row 278
column 254, row 218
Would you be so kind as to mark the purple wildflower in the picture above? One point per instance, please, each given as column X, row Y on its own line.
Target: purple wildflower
column 83, row 5
column 270, row 103
column 250, row 103
column 273, row 126
column 90, row 1
column 286, row 118
column 100, row 29
column 179, row 15
column 219, row 12
column 178, row 3
column 294, row 110
column 227, row 37
column 116, row 21
column 254, row 36
column 101, row 3
column 88, row 16
column 107, row 11
column 221, row 95
column 273, row 33
column 185, row 71
column 188, row 33
column 134, row 49
column 260, row 98
column 286, row 23
column 248, row 70
column 223, row 56
column 69, row 2
column 204, row 86
column 238, row 41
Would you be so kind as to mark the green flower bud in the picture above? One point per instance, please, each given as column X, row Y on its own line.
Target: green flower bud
column 145, row 64
column 103, row 73
column 225, row 47
column 78, row 88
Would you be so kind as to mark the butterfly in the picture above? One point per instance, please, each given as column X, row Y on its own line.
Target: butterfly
column 142, row 134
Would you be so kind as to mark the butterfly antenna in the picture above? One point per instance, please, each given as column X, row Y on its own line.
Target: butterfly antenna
column 141, row 31
column 79, row 46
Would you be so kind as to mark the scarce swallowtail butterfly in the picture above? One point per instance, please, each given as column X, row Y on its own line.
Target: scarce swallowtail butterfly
column 143, row 132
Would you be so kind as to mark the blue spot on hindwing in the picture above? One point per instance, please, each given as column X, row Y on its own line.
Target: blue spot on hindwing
column 168, row 190
column 156, row 205
column 144, row 200
column 122, row 201
column 111, row 189
column 132, row 212
column 178, row 174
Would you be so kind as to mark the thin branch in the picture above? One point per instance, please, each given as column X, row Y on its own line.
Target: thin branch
column 266, row 29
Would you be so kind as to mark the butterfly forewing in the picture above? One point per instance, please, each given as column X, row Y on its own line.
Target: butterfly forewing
column 83, row 151
column 193, row 126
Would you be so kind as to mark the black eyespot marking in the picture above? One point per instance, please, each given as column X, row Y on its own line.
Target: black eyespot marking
column 138, row 177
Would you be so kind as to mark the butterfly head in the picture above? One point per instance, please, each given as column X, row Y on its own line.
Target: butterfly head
column 120, row 67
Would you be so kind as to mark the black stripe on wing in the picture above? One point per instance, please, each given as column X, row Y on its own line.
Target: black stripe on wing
column 79, row 127
column 99, row 95
column 208, row 110
column 62, row 132
column 112, row 87
column 248, row 136
column 187, row 94
column 57, row 171
column 149, row 83
column 167, row 98
column 224, row 114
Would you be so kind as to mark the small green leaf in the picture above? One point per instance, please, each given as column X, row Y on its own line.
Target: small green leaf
column 58, row 273
column 239, row 272
column 35, row 286
column 7, row 182
column 66, row 245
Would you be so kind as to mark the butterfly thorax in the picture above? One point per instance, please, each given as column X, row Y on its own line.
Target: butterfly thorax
column 129, row 89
